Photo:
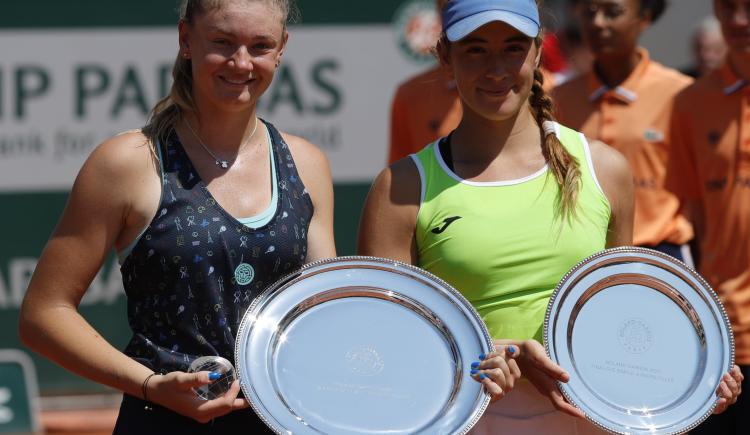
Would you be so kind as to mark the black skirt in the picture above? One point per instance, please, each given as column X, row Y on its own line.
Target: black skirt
column 135, row 419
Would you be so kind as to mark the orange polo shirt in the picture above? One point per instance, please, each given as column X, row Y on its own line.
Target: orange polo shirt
column 425, row 108
column 710, row 163
column 634, row 119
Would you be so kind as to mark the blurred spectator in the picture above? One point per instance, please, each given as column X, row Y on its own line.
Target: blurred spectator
column 577, row 55
column 425, row 107
column 625, row 102
column 553, row 58
column 709, row 170
column 708, row 46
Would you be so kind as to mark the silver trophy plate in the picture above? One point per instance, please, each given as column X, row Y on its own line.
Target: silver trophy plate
column 644, row 338
column 362, row 345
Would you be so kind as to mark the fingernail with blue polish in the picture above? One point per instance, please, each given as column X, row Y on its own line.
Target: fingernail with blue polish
column 474, row 371
column 213, row 376
column 482, row 356
column 475, row 365
column 482, row 376
column 511, row 350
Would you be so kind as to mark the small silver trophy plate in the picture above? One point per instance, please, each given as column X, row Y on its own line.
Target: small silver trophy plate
column 362, row 345
column 644, row 338
column 215, row 364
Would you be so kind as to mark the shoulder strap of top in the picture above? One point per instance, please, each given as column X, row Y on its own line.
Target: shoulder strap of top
column 282, row 155
column 159, row 147
column 276, row 139
column 171, row 152
column 425, row 162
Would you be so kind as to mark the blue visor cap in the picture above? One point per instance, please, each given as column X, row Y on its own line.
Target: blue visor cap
column 461, row 17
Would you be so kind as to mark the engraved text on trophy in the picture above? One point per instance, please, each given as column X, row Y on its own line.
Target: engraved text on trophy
column 635, row 336
column 364, row 361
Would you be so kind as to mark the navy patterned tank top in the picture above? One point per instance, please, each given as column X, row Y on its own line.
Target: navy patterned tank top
column 196, row 269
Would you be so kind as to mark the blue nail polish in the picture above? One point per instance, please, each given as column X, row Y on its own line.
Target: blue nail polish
column 511, row 350
column 475, row 365
column 482, row 376
column 482, row 356
column 213, row 376
column 474, row 371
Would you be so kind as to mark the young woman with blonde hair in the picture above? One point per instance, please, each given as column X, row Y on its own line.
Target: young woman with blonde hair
column 206, row 205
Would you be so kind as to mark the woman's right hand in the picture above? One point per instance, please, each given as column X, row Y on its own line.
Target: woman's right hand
column 544, row 375
column 497, row 371
column 175, row 391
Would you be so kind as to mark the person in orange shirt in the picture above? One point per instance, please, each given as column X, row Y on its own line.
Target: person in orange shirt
column 426, row 107
column 625, row 101
column 709, row 170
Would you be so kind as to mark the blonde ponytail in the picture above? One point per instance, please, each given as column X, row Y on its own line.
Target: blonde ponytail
column 167, row 112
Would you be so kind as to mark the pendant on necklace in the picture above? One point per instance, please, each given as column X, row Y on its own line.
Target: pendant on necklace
column 223, row 163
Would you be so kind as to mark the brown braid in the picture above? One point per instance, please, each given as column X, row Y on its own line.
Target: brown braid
column 564, row 167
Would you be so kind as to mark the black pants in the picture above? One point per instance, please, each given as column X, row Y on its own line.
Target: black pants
column 675, row 251
column 735, row 420
column 135, row 420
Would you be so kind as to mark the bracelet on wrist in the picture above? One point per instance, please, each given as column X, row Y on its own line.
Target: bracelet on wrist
column 144, row 388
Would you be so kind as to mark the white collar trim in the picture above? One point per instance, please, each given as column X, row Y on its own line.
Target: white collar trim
column 447, row 170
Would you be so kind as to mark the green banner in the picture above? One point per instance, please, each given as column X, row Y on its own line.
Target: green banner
column 18, row 393
column 100, row 13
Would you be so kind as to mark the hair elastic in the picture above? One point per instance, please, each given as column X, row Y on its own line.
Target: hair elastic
column 548, row 127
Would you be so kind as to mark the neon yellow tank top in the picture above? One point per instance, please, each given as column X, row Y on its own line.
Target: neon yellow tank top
column 502, row 244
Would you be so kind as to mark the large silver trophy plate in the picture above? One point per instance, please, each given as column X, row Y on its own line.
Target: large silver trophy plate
column 362, row 345
column 644, row 338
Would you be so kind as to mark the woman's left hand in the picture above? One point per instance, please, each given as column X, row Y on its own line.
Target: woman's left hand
column 729, row 389
column 175, row 391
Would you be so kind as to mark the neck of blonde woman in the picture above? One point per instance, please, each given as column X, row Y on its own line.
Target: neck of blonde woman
column 225, row 132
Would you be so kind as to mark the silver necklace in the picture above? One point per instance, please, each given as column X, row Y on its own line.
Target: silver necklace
column 224, row 164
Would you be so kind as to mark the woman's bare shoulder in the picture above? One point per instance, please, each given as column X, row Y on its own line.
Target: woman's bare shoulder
column 610, row 165
column 403, row 180
column 312, row 166
column 124, row 169
column 123, row 154
column 304, row 151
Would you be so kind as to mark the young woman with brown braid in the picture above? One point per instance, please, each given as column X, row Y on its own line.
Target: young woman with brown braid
column 503, row 207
